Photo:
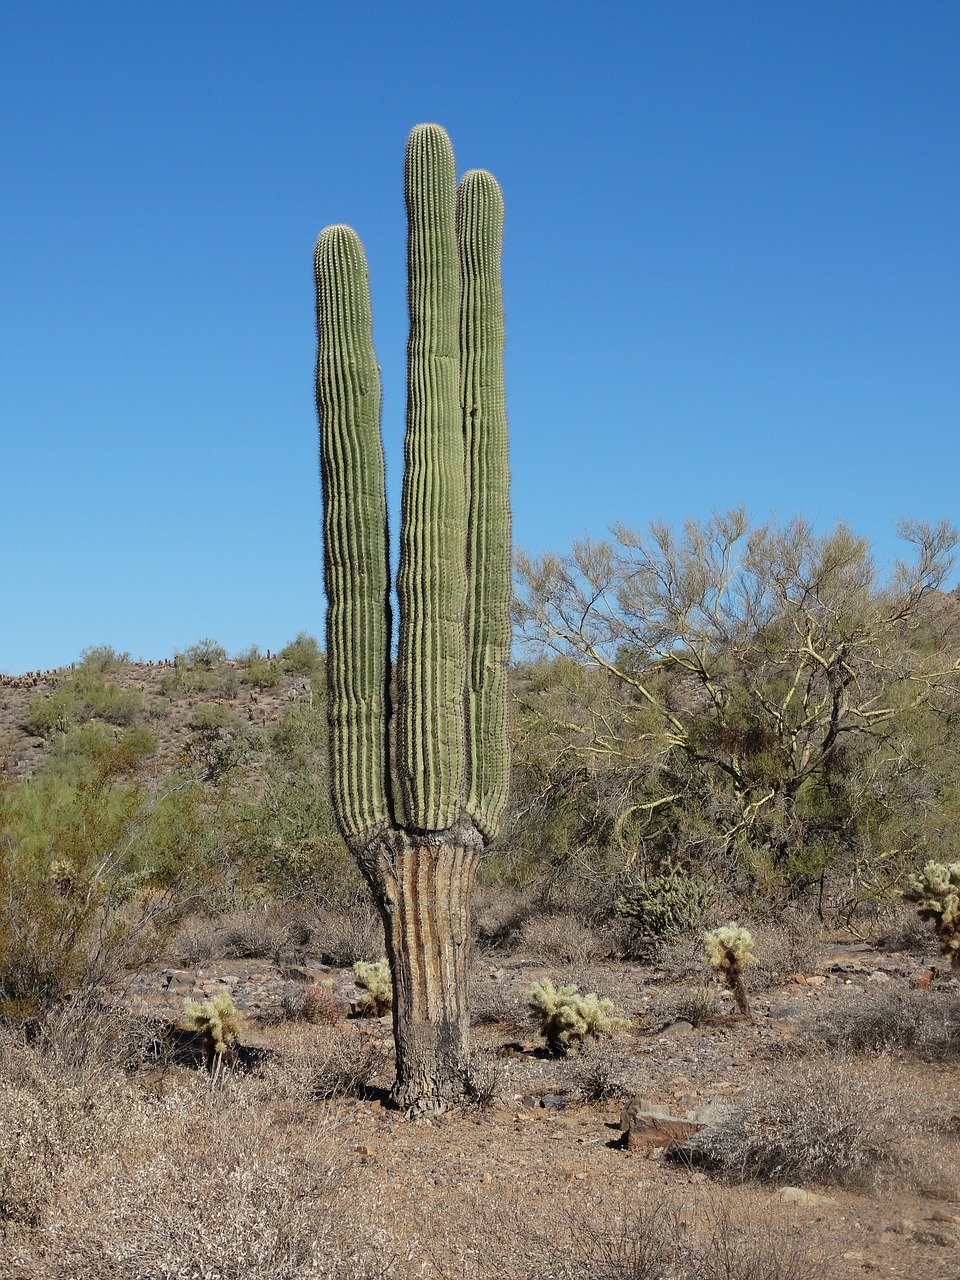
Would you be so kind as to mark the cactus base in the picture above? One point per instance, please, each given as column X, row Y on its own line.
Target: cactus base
column 422, row 883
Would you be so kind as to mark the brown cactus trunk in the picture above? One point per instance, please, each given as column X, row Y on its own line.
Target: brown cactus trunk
column 422, row 884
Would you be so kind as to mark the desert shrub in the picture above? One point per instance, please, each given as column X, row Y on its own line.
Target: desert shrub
column 302, row 656
column 324, row 1063
column 211, row 715
column 205, row 653
column 696, row 1004
column 252, row 934
column 262, row 673
column 567, row 1018
column 92, row 873
column 103, row 658
column 375, row 988
column 49, row 713
column 559, row 937
column 195, row 941
column 51, row 1113
column 95, row 748
column 887, row 1018
column 345, row 932
column 218, row 747
column 899, row 928
column 83, row 695
column 276, row 1215
column 783, row 950
column 831, row 1120
column 657, row 1237
column 597, row 1073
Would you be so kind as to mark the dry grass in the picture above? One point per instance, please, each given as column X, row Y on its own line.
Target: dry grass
column 835, row 1120
column 892, row 1019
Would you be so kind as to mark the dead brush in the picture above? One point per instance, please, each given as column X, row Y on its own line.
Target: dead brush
column 251, row 935
column 598, row 1073
column 828, row 1119
column 667, row 1237
column 890, row 1019
column 560, row 938
column 325, row 1065
column 253, row 1199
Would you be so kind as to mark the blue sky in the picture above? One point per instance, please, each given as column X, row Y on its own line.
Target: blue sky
column 731, row 274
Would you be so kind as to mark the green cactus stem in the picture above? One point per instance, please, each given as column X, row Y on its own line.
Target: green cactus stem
column 483, row 398
column 432, row 578
column 356, row 568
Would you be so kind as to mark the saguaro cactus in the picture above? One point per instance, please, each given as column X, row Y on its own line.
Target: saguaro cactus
column 419, row 849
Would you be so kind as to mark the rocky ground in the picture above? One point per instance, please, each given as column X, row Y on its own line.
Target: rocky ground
column 546, row 1139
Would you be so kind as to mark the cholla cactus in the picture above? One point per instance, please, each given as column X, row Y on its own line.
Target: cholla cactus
column 566, row 1017
column 376, row 988
column 668, row 904
column 936, row 892
column 219, row 1023
column 728, row 950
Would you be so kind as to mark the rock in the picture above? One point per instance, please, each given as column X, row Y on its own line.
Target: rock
column 647, row 1133
column 641, row 1107
column 799, row 1195
column 681, row 1027
column 879, row 977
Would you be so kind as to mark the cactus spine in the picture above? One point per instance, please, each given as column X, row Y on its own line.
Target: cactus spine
column 419, row 849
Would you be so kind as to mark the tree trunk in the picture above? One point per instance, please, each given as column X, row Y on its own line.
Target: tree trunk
column 422, row 883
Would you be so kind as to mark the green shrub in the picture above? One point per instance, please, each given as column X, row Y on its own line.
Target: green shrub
column 49, row 713
column 83, row 695
column 262, row 673
column 210, row 716
column 667, row 904
column 205, row 653
column 302, row 656
column 103, row 658
column 567, row 1018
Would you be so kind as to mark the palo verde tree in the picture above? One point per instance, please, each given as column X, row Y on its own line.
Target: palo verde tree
column 736, row 694
column 443, row 741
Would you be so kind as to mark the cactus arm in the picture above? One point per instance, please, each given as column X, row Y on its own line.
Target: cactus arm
column 431, row 581
column 483, row 400
column 356, row 569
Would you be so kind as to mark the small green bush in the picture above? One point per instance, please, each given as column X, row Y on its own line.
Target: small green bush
column 262, row 673
column 302, row 657
column 209, row 716
column 205, row 653
column 103, row 658
column 566, row 1017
